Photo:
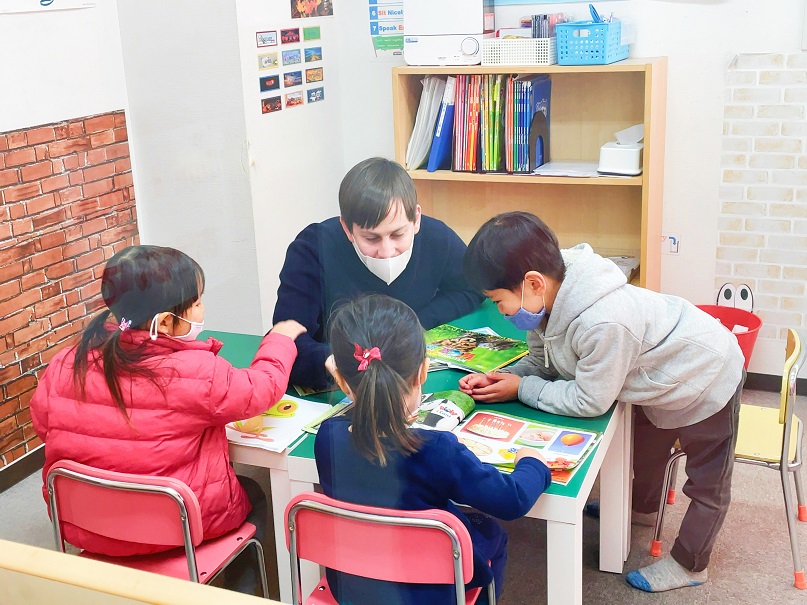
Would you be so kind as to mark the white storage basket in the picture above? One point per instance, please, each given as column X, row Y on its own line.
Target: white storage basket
column 519, row 51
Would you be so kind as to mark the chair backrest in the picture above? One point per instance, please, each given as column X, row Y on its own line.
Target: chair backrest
column 795, row 354
column 135, row 508
column 417, row 547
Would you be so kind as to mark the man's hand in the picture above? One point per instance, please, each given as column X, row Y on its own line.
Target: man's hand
column 493, row 387
column 289, row 328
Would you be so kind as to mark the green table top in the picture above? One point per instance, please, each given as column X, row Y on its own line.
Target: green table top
column 239, row 349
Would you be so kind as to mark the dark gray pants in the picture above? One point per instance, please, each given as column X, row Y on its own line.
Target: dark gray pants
column 709, row 446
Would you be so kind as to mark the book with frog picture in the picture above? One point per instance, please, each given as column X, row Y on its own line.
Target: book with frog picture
column 496, row 438
column 471, row 350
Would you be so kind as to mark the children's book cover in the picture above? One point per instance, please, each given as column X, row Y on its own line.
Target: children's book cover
column 443, row 410
column 472, row 350
column 278, row 427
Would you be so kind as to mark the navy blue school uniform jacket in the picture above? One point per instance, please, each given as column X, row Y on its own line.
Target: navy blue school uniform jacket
column 440, row 473
column 322, row 269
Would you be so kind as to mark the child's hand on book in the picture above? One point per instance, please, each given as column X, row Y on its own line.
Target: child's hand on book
column 492, row 387
column 289, row 328
column 529, row 452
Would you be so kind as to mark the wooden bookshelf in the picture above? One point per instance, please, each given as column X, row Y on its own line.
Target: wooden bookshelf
column 589, row 103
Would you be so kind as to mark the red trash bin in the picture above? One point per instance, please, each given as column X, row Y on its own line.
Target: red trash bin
column 730, row 317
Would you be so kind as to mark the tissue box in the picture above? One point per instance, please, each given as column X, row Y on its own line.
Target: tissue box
column 622, row 159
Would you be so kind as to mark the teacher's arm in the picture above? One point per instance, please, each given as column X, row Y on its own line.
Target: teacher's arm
column 299, row 297
column 454, row 296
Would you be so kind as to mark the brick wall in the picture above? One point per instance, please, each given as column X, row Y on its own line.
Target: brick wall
column 763, row 194
column 67, row 205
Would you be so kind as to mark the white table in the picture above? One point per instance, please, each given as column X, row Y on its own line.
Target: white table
column 612, row 460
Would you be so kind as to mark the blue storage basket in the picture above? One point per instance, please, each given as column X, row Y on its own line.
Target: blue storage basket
column 590, row 43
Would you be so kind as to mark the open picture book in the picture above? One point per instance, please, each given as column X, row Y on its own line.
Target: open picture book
column 480, row 350
column 495, row 437
column 279, row 426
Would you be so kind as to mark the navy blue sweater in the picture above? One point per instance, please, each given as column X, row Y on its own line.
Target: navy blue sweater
column 322, row 268
column 441, row 472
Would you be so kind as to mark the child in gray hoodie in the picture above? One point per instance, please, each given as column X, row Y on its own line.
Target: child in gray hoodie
column 594, row 339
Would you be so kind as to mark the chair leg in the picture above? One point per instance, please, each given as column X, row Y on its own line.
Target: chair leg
column 799, row 580
column 670, row 471
column 800, row 499
column 671, row 486
column 261, row 563
column 492, row 593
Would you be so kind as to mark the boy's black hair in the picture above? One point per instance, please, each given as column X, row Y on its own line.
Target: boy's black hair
column 138, row 283
column 370, row 189
column 509, row 245
column 379, row 414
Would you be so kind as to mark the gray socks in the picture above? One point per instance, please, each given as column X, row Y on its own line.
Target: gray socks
column 666, row 574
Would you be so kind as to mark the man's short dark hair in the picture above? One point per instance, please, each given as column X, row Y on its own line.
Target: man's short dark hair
column 508, row 246
column 369, row 190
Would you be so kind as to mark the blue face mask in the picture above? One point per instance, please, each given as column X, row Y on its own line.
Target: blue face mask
column 526, row 320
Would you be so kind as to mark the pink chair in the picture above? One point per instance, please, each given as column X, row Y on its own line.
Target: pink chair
column 148, row 510
column 416, row 547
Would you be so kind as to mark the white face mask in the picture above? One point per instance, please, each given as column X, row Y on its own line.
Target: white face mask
column 196, row 328
column 385, row 269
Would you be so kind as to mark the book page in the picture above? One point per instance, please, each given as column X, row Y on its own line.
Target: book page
column 496, row 438
column 278, row 427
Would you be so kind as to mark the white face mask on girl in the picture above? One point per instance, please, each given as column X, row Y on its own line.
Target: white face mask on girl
column 385, row 269
column 196, row 328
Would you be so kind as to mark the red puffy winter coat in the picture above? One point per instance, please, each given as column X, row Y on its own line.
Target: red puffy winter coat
column 174, row 432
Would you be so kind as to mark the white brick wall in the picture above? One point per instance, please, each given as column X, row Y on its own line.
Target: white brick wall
column 762, row 238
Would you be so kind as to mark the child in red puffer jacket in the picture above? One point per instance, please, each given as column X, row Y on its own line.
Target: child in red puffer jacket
column 139, row 394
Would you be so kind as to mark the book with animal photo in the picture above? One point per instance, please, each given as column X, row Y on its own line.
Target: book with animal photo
column 472, row 350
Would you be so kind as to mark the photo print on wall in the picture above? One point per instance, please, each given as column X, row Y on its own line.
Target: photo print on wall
column 267, row 61
column 268, row 83
column 316, row 94
column 303, row 9
column 292, row 78
column 313, row 75
column 313, row 53
column 271, row 104
column 311, row 33
column 291, row 57
column 266, row 38
column 294, row 98
column 290, row 36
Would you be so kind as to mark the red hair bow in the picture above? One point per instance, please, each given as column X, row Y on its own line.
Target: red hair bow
column 365, row 356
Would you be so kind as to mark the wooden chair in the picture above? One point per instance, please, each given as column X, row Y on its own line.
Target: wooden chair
column 768, row 437
column 148, row 510
column 416, row 547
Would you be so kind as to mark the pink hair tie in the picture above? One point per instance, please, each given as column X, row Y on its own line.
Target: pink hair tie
column 125, row 324
column 365, row 356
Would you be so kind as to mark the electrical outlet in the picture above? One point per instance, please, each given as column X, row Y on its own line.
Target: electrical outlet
column 670, row 244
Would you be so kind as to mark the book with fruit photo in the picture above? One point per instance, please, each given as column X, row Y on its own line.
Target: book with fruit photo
column 496, row 438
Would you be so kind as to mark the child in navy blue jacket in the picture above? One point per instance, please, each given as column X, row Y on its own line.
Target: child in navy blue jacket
column 372, row 457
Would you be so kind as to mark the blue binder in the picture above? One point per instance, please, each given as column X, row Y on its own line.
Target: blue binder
column 440, row 152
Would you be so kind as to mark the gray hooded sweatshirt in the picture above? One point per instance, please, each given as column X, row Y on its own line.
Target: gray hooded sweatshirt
column 606, row 340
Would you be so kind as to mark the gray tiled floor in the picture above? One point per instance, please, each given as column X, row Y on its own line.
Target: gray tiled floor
column 751, row 564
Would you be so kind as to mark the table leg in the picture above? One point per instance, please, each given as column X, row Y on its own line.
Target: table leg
column 564, row 566
column 615, row 491
column 281, row 495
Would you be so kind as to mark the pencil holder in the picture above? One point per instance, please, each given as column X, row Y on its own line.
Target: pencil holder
column 590, row 43
column 519, row 51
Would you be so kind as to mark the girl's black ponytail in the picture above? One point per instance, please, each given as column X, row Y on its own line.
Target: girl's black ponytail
column 380, row 388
